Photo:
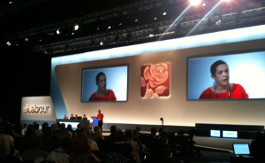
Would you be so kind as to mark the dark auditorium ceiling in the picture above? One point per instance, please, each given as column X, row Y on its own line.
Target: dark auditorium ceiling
column 25, row 14
column 107, row 23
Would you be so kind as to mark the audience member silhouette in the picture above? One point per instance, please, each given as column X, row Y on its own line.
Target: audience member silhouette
column 257, row 147
column 80, row 150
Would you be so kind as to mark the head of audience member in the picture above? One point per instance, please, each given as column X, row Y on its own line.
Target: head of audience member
column 44, row 124
column 119, row 136
column 113, row 129
column 62, row 126
column 97, row 129
column 153, row 131
column 69, row 127
column 128, row 134
column 6, row 146
column 54, row 127
column 80, row 144
column 138, row 129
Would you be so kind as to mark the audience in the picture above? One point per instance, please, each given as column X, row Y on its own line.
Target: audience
column 60, row 144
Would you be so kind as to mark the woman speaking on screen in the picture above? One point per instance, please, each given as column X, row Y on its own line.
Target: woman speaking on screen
column 222, row 88
column 102, row 93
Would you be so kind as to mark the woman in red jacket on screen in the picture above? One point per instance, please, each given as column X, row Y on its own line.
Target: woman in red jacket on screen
column 223, row 89
column 102, row 93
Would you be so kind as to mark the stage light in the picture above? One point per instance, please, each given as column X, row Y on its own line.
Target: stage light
column 151, row 35
column 8, row 43
column 76, row 27
column 164, row 13
column 218, row 22
column 58, row 31
column 195, row 2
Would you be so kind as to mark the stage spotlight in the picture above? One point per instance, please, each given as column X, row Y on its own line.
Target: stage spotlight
column 195, row 2
column 8, row 43
column 164, row 13
column 76, row 27
column 58, row 31
column 218, row 22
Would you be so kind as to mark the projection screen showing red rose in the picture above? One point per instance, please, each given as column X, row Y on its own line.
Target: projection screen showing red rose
column 155, row 80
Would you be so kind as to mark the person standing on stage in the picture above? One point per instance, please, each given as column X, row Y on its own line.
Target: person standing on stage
column 100, row 119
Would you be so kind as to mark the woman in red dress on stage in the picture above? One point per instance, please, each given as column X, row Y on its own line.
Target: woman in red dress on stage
column 100, row 119
column 223, row 89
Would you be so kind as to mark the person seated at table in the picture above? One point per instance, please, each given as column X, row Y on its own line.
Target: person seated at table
column 72, row 116
column 84, row 117
column 65, row 116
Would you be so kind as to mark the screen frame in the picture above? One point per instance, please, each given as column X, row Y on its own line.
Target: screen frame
column 227, row 53
column 103, row 67
column 234, row 134
column 247, row 154
column 213, row 132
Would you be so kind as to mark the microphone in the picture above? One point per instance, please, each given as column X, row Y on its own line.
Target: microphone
column 162, row 122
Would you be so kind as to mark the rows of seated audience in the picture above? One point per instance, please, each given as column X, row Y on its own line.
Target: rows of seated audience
column 20, row 143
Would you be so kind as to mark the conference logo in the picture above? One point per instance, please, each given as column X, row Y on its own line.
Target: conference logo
column 36, row 109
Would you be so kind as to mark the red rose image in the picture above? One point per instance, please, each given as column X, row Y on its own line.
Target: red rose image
column 155, row 80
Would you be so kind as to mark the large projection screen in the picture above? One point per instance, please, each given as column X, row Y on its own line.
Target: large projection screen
column 246, row 69
column 176, row 109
